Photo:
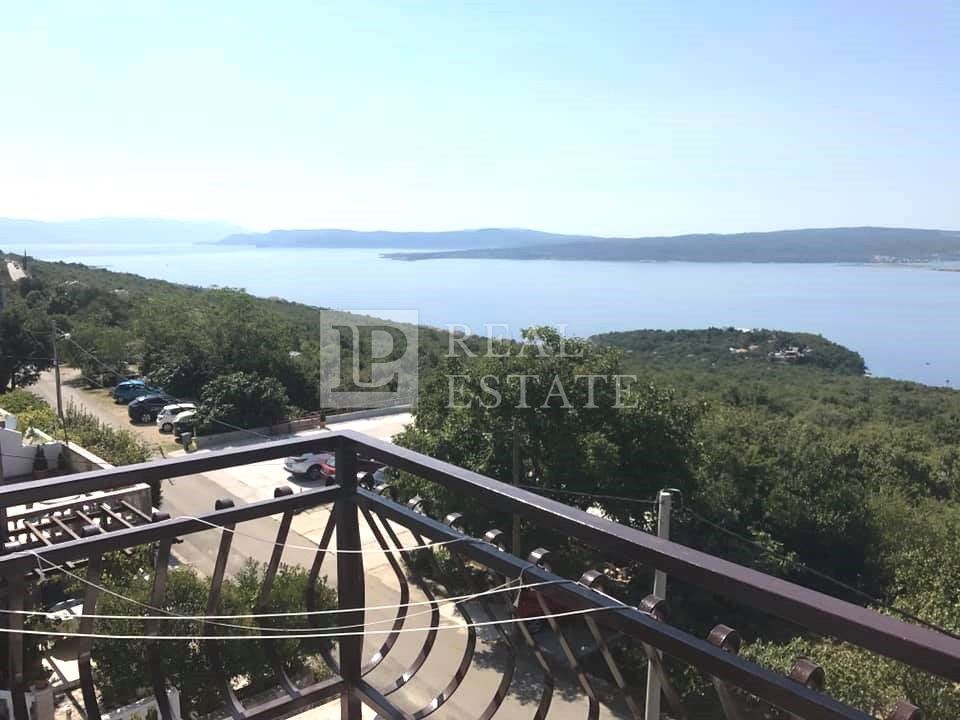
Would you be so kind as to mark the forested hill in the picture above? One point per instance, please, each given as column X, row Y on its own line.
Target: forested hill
column 861, row 244
column 732, row 347
column 179, row 337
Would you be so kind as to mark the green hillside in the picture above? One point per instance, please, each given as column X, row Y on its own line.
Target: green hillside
column 817, row 245
column 179, row 337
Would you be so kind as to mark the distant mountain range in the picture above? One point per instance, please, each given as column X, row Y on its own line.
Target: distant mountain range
column 16, row 235
column 446, row 240
column 851, row 244
column 860, row 244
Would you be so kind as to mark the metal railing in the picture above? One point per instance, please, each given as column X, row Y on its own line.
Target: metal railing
column 797, row 695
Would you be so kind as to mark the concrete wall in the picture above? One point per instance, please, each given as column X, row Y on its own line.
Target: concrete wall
column 291, row 428
column 259, row 434
column 79, row 459
column 18, row 457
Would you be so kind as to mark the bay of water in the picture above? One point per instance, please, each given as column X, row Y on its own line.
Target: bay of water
column 902, row 319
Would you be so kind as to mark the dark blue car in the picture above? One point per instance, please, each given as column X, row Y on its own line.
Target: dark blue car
column 129, row 389
column 145, row 408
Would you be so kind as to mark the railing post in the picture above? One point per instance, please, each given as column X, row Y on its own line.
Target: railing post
column 350, row 586
column 652, row 706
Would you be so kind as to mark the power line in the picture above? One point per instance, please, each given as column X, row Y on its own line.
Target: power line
column 509, row 586
column 170, row 615
column 69, row 339
column 796, row 563
column 377, row 551
column 318, row 635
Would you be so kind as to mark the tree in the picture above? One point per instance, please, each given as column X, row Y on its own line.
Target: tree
column 25, row 347
column 122, row 666
column 606, row 435
column 105, row 357
column 243, row 399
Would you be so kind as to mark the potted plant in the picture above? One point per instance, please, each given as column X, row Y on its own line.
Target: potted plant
column 40, row 465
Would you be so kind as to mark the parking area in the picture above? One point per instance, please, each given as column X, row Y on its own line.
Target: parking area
column 98, row 401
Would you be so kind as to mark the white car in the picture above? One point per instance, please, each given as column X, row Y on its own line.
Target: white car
column 307, row 465
column 168, row 414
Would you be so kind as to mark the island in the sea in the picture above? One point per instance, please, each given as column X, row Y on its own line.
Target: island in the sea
column 827, row 245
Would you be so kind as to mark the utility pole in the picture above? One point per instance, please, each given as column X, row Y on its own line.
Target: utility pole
column 515, row 530
column 652, row 707
column 56, row 377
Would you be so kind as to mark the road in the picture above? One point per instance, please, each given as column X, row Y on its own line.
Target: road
column 196, row 494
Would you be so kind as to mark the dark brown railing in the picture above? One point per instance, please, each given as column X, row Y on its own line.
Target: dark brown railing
column 797, row 695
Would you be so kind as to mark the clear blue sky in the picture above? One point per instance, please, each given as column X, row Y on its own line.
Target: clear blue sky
column 596, row 117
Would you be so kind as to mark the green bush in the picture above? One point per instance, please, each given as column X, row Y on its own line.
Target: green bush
column 122, row 667
column 243, row 400
column 31, row 411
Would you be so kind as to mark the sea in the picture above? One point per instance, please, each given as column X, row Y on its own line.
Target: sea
column 903, row 319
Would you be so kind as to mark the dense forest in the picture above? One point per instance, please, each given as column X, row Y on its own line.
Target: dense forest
column 843, row 483
column 726, row 348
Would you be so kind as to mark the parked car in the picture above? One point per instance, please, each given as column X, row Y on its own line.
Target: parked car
column 146, row 407
column 372, row 480
column 168, row 413
column 308, row 465
column 528, row 606
column 130, row 389
column 364, row 465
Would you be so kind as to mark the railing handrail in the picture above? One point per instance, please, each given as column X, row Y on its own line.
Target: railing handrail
column 917, row 646
column 33, row 491
column 773, row 687
column 160, row 529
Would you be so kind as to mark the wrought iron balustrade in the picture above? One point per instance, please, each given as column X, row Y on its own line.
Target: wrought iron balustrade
column 585, row 606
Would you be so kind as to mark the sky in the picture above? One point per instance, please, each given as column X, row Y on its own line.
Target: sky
column 609, row 118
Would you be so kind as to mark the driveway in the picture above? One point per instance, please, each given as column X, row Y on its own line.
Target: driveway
column 98, row 402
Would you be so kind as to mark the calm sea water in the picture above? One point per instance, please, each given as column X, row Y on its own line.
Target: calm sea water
column 903, row 320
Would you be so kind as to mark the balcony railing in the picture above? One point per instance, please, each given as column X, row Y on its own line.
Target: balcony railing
column 582, row 603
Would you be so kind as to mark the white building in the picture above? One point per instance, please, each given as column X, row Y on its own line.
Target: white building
column 19, row 451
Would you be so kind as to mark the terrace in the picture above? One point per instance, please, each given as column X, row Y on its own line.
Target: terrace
column 583, row 618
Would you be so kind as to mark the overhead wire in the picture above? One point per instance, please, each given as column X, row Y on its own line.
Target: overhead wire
column 503, row 588
column 124, row 378
column 319, row 635
column 314, row 548
column 216, row 619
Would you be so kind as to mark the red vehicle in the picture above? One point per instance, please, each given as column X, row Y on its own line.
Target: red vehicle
column 528, row 606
